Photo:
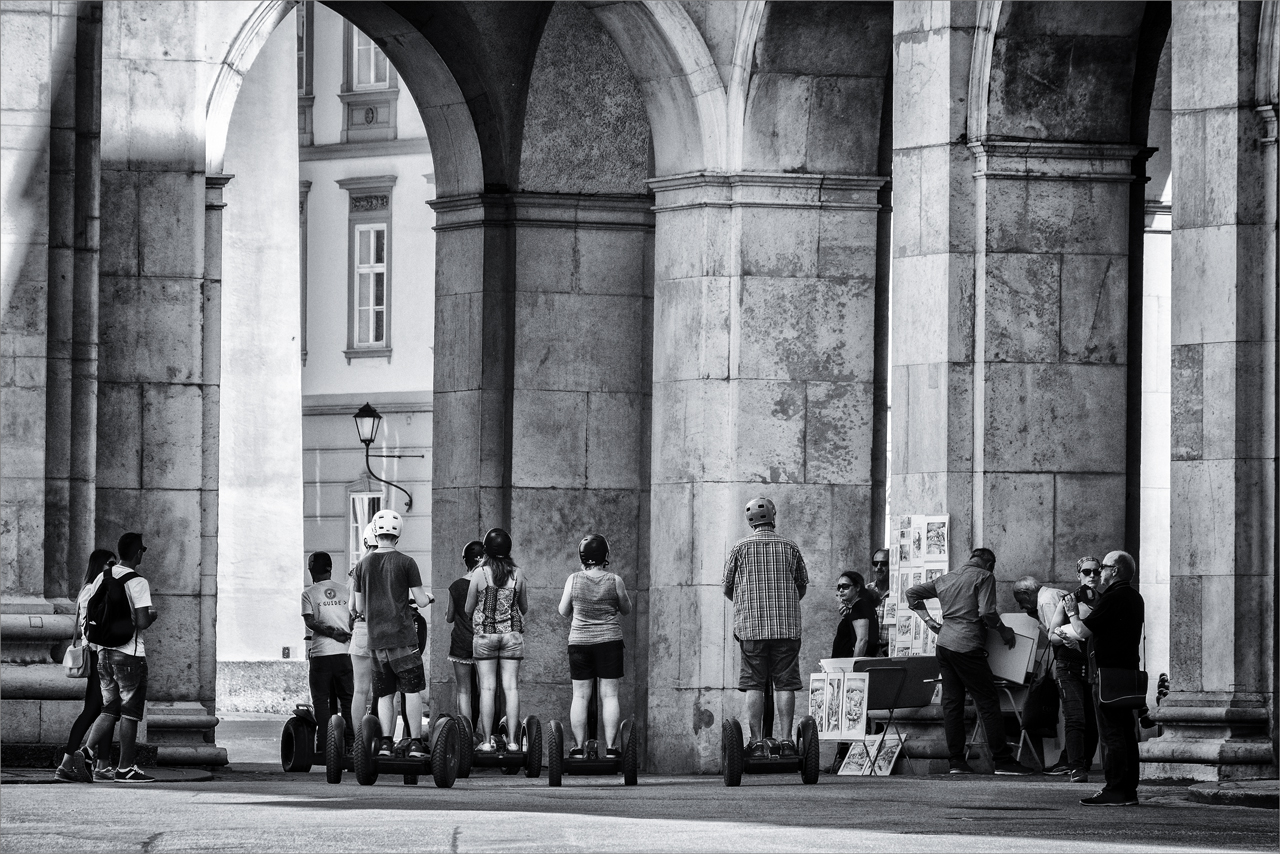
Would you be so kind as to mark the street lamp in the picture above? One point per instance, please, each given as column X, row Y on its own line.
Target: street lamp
column 367, row 422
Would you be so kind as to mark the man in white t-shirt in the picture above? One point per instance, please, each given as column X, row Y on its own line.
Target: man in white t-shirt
column 327, row 613
column 122, row 670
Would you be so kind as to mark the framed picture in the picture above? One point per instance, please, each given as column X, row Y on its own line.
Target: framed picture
column 884, row 750
column 855, row 761
column 853, row 706
column 818, row 700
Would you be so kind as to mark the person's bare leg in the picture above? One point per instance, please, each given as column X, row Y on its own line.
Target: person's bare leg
column 128, row 742
column 413, row 711
column 488, row 672
column 611, row 712
column 387, row 715
column 462, row 687
column 578, row 710
column 754, row 708
column 784, row 709
column 511, row 694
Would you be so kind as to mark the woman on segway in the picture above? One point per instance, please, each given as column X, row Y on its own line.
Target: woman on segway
column 595, row 598
column 496, row 603
column 361, row 663
column 462, row 638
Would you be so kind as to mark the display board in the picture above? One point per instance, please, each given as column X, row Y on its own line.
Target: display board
column 838, row 704
column 920, row 549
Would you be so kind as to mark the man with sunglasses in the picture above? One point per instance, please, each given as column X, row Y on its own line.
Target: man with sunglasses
column 1070, row 670
column 1114, row 632
column 879, row 584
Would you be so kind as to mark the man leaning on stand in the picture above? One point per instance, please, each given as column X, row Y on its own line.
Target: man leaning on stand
column 968, row 599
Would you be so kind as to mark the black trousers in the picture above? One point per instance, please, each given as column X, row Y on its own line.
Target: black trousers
column 1118, row 730
column 969, row 672
column 332, row 684
column 92, row 705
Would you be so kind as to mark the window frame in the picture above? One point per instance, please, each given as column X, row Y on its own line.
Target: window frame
column 374, row 51
column 369, row 205
column 355, row 527
column 372, row 268
column 368, row 109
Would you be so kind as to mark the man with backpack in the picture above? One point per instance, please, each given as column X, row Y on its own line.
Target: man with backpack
column 119, row 610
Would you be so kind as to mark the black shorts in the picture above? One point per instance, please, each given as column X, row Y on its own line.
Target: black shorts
column 596, row 660
column 764, row 658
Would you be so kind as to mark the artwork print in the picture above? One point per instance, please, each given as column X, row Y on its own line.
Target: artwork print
column 818, row 699
column 936, row 538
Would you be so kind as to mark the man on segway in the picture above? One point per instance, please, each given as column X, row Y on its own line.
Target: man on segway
column 384, row 582
column 765, row 578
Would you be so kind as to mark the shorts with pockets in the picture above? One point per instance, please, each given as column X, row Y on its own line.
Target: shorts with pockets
column 359, row 639
column 508, row 645
column 596, row 660
column 761, row 658
column 398, row 669
column 123, row 679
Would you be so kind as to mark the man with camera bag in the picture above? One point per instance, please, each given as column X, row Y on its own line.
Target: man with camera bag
column 1114, row 632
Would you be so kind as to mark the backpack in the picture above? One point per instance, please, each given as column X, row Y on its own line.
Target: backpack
column 108, row 617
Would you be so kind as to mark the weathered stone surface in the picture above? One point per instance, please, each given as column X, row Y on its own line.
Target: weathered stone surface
column 689, row 243
column 846, row 242
column 170, row 216
column 120, row 424
column 172, row 425
column 21, row 721
column 616, row 451
column 769, row 431
column 119, row 237
column 1094, row 309
column 837, row 440
column 807, row 329
column 550, row 439
column 691, row 324
column 612, row 262
column 578, row 342
column 1204, row 314
column 1055, row 216
column 920, row 328
column 1088, row 520
column 1042, row 418
column 1203, row 525
column 460, row 336
column 691, row 440
column 833, row 143
column 1022, row 307
column 169, row 521
column 1017, row 511
column 160, row 344
column 548, row 524
column 779, row 242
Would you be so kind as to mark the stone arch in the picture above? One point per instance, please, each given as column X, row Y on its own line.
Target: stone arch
column 683, row 92
column 815, row 94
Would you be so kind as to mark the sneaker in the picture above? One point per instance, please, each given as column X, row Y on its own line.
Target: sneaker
column 960, row 768
column 488, row 746
column 104, row 775
column 1110, row 799
column 612, row 753
column 787, row 749
column 73, row 769
column 1058, row 768
column 417, row 750
column 758, row 750
column 133, row 775
column 386, row 746
column 513, row 747
column 576, row 753
column 1078, row 776
column 1013, row 768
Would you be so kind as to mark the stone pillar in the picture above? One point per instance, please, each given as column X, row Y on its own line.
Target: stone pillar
column 580, row 417
column 1216, row 720
column 764, row 323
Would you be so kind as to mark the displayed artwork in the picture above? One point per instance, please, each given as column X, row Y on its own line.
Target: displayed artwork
column 922, row 554
column 935, row 538
column 838, row 703
column 881, row 754
column 855, row 761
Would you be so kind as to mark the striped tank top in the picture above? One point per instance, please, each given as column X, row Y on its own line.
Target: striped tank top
column 595, row 609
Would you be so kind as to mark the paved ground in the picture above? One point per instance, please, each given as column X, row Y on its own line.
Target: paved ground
column 259, row 808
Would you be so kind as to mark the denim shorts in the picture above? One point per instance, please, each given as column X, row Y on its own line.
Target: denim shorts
column 124, row 684
column 509, row 645
column 398, row 669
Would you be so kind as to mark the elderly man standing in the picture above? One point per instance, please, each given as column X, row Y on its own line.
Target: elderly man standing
column 765, row 578
column 1114, row 632
column 968, row 599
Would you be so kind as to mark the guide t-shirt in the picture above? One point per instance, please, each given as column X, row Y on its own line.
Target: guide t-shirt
column 385, row 578
column 327, row 602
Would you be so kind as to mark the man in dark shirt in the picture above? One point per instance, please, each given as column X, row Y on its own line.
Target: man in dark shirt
column 968, row 598
column 1114, row 632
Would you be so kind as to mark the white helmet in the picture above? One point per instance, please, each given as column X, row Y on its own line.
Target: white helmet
column 386, row 522
column 369, row 539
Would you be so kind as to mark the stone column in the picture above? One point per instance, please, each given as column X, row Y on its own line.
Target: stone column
column 1050, row 315
column 764, row 323
column 580, row 417
column 1217, row 718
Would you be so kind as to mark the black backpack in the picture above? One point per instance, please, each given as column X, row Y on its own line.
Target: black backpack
column 108, row 617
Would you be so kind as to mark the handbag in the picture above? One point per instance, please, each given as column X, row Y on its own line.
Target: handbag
column 76, row 662
column 1122, row 688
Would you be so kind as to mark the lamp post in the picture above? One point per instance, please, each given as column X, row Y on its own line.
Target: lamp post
column 367, row 423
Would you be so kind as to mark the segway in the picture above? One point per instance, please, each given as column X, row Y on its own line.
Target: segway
column 528, row 757
column 298, row 741
column 441, row 762
column 734, row 762
column 592, row 762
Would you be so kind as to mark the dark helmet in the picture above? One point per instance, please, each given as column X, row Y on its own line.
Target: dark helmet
column 472, row 552
column 594, row 550
column 497, row 543
column 760, row 511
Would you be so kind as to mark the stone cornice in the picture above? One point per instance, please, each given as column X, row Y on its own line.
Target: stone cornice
column 768, row 189
column 550, row 210
column 1055, row 161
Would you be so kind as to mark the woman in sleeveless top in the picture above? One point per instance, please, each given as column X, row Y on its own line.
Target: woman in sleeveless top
column 497, row 602
column 74, row 766
column 462, row 637
column 361, row 662
column 595, row 598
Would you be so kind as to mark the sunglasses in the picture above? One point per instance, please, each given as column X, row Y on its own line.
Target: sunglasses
column 843, row 586
column 1094, row 571
column 879, row 563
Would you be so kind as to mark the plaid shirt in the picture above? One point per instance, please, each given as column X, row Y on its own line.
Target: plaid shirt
column 765, row 577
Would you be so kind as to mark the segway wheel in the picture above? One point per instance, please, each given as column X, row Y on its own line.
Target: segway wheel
column 411, row 779
column 444, row 755
column 807, row 740
column 335, row 750
column 630, row 752
column 365, row 760
column 555, row 753
column 731, row 752
column 531, row 741
column 297, row 745
column 466, row 741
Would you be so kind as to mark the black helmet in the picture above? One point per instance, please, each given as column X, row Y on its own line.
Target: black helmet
column 594, row 550
column 497, row 543
column 472, row 552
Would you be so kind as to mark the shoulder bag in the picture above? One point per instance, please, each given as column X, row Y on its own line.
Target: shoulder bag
column 1122, row 688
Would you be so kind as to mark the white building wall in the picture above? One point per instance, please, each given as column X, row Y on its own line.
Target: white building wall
column 260, row 478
